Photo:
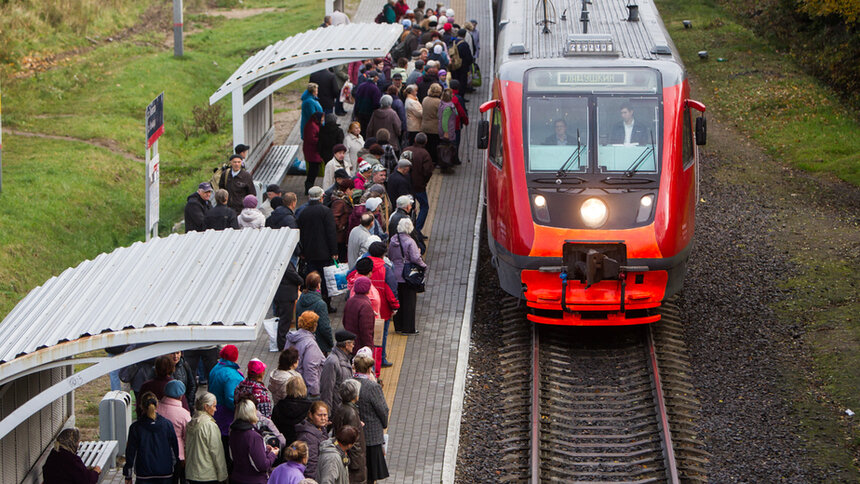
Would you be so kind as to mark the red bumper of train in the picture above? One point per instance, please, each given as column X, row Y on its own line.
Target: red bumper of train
column 599, row 304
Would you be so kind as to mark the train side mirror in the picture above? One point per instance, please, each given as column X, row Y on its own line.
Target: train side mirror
column 701, row 130
column 483, row 134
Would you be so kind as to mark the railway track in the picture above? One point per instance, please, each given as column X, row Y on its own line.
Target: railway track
column 594, row 404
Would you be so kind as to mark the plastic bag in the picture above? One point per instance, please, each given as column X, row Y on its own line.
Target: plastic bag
column 335, row 278
column 297, row 167
column 271, row 327
column 475, row 74
column 346, row 92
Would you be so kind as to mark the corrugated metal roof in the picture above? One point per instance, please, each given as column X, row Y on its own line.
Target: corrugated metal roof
column 350, row 42
column 634, row 40
column 197, row 280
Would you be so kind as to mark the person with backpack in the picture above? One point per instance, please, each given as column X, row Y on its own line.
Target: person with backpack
column 389, row 154
column 388, row 14
column 464, row 53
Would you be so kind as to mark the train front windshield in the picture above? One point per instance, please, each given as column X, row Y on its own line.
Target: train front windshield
column 593, row 121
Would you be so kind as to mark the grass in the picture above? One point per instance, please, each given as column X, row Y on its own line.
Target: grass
column 763, row 93
column 65, row 201
column 765, row 97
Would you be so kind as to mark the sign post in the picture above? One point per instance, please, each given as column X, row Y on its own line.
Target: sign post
column 154, row 129
column 177, row 28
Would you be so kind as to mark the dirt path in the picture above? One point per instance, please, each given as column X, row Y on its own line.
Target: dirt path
column 107, row 144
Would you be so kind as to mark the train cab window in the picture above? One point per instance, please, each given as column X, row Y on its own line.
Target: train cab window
column 557, row 133
column 496, row 148
column 687, row 143
column 628, row 134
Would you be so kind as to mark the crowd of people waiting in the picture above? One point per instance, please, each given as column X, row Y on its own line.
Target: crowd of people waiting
column 320, row 416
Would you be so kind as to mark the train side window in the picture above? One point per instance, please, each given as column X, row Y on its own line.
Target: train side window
column 496, row 151
column 687, row 142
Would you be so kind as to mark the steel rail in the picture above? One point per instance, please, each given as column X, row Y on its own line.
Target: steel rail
column 535, row 407
column 662, row 415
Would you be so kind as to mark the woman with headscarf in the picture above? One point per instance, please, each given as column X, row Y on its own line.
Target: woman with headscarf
column 414, row 112
column 354, row 143
column 204, row 454
column 253, row 387
column 252, row 457
column 152, row 449
column 223, row 379
column 63, row 463
column 447, row 113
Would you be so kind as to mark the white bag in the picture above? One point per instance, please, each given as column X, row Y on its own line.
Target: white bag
column 335, row 278
column 271, row 327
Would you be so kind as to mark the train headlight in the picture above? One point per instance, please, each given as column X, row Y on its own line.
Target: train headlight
column 594, row 212
column 541, row 212
column 646, row 205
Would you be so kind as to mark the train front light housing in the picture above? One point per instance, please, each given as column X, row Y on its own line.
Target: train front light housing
column 646, row 205
column 594, row 212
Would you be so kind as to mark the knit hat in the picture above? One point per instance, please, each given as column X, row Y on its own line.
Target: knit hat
column 449, row 13
column 230, row 353
column 447, row 27
column 372, row 203
column 406, row 23
column 256, row 367
column 365, row 352
column 364, row 265
column 377, row 249
column 174, row 389
column 432, row 18
column 250, row 201
column 442, row 20
column 315, row 193
column 338, row 147
column 362, row 285
column 364, row 167
column 341, row 173
column 437, row 49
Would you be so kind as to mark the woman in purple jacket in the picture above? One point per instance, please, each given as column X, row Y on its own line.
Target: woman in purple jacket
column 291, row 471
column 252, row 458
column 402, row 249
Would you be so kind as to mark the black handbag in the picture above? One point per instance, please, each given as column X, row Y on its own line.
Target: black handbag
column 413, row 274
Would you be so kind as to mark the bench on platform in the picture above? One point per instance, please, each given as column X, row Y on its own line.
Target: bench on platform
column 273, row 167
column 100, row 453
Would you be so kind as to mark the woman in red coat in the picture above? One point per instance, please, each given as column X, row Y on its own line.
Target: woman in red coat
column 310, row 142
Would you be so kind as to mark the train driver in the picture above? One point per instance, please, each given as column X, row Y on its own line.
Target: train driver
column 560, row 135
column 627, row 131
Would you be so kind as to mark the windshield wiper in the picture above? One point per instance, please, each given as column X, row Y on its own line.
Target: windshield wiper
column 618, row 180
column 631, row 170
column 578, row 153
column 568, row 180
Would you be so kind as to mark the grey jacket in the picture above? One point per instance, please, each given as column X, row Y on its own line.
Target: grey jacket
column 373, row 411
column 310, row 358
column 336, row 368
column 331, row 468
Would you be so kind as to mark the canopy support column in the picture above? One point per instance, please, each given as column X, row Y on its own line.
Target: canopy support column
column 238, row 116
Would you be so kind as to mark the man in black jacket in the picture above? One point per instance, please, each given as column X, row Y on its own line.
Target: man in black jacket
column 328, row 91
column 238, row 183
column 462, row 74
column 221, row 217
column 318, row 236
column 196, row 208
column 399, row 182
column 283, row 215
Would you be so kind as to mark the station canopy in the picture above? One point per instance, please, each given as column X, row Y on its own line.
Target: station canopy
column 302, row 54
column 168, row 294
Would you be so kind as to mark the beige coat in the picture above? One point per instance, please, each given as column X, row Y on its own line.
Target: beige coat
column 414, row 115
column 204, row 452
column 430, row 117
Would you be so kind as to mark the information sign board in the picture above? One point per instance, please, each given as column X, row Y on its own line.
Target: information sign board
column 154, row 120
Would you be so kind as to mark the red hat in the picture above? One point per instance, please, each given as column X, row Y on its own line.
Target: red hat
column 256, row 367
column 447, row 27
column 229, row 352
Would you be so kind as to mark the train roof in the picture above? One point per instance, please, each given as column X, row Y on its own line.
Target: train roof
column 522, row 34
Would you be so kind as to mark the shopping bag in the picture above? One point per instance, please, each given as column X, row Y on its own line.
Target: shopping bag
column 378, row 331
column 335, row 278
column 271, row 327
column 475, row 74
column 345, row 92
